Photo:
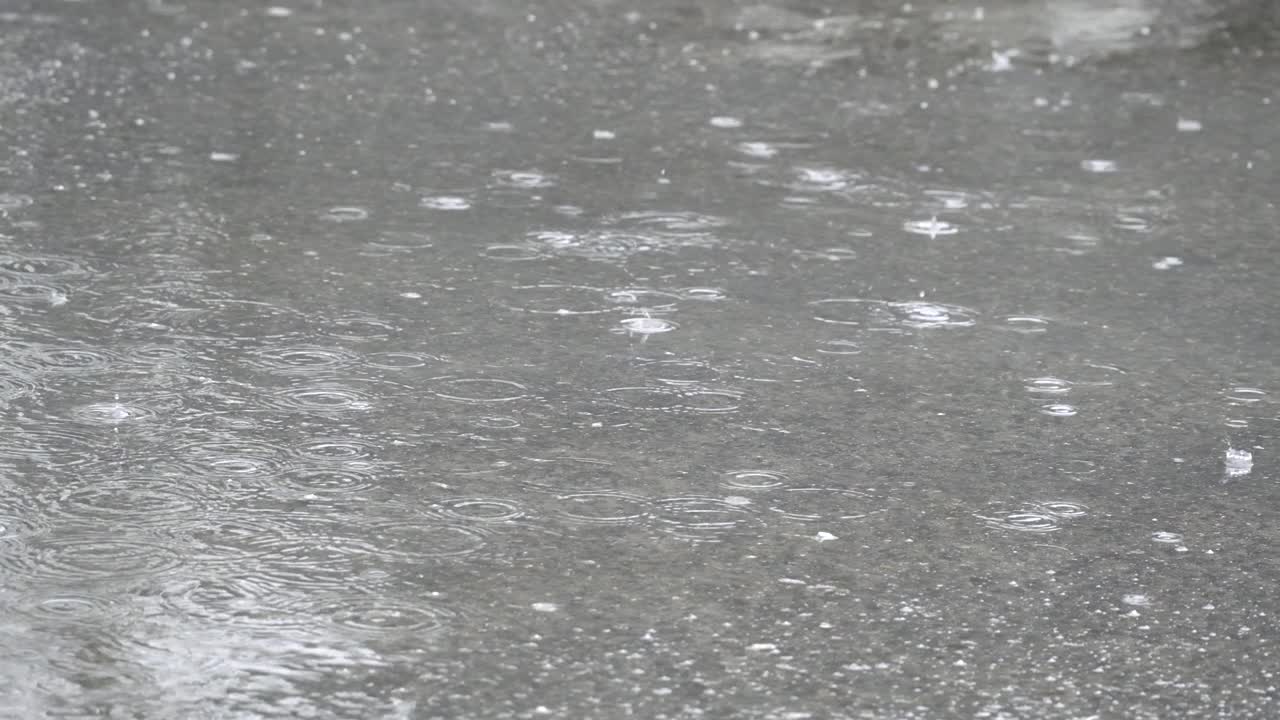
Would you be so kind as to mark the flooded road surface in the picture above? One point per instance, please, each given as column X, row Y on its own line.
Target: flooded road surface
column 672, row 359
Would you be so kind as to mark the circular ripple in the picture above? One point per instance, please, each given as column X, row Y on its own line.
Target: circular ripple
column 604, row 507
column 840, row 347
column 643, row 398
column 94, row 556
column 232, row 458
column 303, row 358
column 155, row 354
column 244, row 601
column 13, row 385
column 424, row 540
column 512, row 252
column 476, row 509
column 1026, row 324
column 444, row 202
column 1059, row 410
column 345, row 214
column 880, row 313
column 133, row 500
column 345, row 479
column 376, row 615
column 1246, row 395
column 334, row 449
column 754, row 480
column 69, row 608
column 594, row 245
column 69, row 360
column 1047, row 386
column 560, row 300
column 1032, row 517
column 14, row 201
column 1171, row 538
column 643, row 298
column 646, row 326
column 710, row 401
column 479, row 390
column 821, row 504
column 323, row 399
column 679, row 222
column 700, row 518
column 1063, row 509
column 41, row 266
column 34, row 293
column 575, row 475
column 398, row 360
column 112, row 413
column 681, row 373
column 234, row 537
column 245, row 320
column 402, row 240
column 60, row 446
column 358, row 328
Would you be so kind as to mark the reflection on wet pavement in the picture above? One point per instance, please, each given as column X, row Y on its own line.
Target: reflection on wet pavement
column 674, row 359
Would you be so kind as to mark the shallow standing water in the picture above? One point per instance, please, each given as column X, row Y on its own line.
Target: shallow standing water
column 665, row 360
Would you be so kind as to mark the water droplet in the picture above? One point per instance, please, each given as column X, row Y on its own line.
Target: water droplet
column 1171, row 538
column 725, row 122
column 1059, row 410
column 545, row 607
column 1136, row 599
column 1167, row 263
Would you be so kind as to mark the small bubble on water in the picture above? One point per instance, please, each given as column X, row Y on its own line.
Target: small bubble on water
column 1098, row 166
column 1167, row 263
column 603, row 134
column 933, row 227
column 1167, row 537
column 725, row 122
column 1059, row 410
column 277, row 11
column 545, row 607
column 1189, row 125
column 224, row 156
column 1136, row 599
column 824, row 536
